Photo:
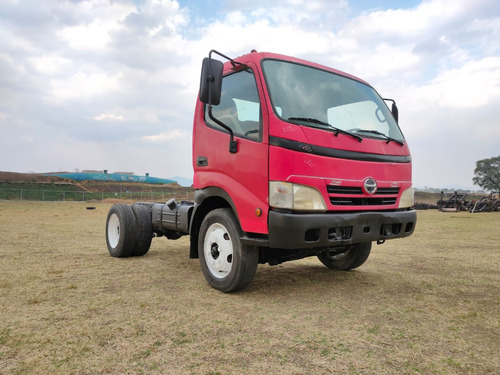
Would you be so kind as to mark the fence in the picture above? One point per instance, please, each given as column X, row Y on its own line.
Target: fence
column 83, row 196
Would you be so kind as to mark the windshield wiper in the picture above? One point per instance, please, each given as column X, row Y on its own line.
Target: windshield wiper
column 386, row 137
column 335, row 130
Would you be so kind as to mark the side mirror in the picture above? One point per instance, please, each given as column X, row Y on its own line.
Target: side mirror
column 211, row 81
column 395, row 111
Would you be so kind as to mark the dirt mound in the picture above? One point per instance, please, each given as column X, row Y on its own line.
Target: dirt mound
column 30, row 178
column 112, row 186
column 93, row 186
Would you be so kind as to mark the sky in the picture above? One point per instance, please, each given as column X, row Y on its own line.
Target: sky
column 112, row 84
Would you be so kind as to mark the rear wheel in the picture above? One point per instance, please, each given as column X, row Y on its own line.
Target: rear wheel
column 227, row 264
column 144, row 230
column 120, row 230
column 353, row 257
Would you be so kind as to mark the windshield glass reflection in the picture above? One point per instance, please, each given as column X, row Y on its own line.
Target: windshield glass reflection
column 313, row 97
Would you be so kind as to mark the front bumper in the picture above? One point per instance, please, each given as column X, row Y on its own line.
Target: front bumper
column 300, row 231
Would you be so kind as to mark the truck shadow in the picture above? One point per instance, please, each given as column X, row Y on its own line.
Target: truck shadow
column 296, row 278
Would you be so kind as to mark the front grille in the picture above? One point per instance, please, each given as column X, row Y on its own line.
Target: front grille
column 344, row 190
column 358, row 190
column 350, row 196
column 348, row 201
column 387, row 191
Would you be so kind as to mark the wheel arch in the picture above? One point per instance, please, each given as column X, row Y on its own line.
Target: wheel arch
column 207, row 200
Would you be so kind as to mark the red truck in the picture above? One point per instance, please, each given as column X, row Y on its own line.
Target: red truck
column 291, row 159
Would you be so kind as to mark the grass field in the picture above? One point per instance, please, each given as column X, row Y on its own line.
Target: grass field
column 428, row 304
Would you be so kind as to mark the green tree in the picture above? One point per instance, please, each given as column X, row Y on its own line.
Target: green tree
column 487, row 174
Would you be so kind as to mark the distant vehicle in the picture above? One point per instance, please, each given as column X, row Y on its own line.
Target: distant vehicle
column 291, row 159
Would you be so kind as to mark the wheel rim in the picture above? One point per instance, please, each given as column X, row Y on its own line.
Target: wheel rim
column 218, row 251
column 113, row 230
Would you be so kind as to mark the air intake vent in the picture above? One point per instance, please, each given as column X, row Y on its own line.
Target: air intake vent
column 387, row 191
column 344, row 190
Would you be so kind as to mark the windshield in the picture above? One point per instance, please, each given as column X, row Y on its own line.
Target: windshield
column 321, row 99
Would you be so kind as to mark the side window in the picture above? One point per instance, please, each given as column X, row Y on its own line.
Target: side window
column 239, row 107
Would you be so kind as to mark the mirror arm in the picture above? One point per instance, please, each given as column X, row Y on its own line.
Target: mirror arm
column 233, row 63
column 233, row 145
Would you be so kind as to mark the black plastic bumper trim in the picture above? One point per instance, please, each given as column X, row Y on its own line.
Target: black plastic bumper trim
column 293, row 231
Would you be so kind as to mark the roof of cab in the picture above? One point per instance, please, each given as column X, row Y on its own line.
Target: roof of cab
column 257, row 57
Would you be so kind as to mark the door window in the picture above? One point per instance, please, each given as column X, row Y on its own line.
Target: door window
column 239, row 107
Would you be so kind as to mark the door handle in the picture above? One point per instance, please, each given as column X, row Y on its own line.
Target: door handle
column 201, row 161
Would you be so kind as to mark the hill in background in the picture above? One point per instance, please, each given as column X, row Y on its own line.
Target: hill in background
column 11, row 181
column 14, row 177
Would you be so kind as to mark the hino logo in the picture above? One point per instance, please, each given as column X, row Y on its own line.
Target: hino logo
column 370, row 186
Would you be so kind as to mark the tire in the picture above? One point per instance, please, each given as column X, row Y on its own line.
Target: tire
column 120, row 230
column 143, row 230
column 227, row 264
column 354, row 257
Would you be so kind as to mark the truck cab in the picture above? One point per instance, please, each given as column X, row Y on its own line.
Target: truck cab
column 291, row 159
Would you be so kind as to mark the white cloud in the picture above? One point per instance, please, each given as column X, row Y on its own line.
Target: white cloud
column 85, row 85
column 168, row 136
column 405, row 24
column 50, row 64
column 109, row 116
column 139, row 114
column 491, row 25
column 100, row 18
column 235, row 18
column 157, row 18
column 91, row 36
column 475, row 84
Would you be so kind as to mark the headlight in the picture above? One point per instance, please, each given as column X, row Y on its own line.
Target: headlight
column 295, row 197
column 407, row 198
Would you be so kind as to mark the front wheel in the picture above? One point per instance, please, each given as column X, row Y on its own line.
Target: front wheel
column 227, row 264
column 353, row 257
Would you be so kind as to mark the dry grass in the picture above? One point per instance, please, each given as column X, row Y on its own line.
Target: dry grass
column 428, row 304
